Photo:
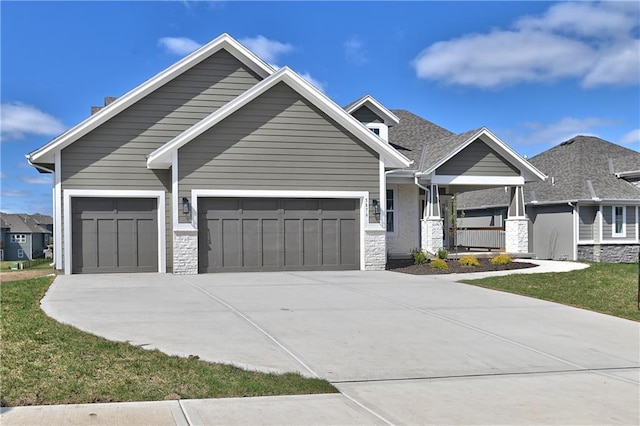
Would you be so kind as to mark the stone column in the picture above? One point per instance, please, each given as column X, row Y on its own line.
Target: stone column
column 185, row 252
column 431, row 225
column 516, row 225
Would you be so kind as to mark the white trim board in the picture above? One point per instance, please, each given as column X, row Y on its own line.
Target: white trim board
column 477, row 180
column 363, row 196
column 115, row 193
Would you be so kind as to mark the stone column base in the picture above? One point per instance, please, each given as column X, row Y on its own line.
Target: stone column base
column 185, row 252
column 375, row 250
column 432, row 235
column 516, row 235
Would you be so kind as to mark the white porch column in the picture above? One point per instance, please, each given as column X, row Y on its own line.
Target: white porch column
column 516, row 225
column 431, row 224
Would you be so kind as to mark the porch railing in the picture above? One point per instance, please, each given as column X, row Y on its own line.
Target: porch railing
column 489, row 237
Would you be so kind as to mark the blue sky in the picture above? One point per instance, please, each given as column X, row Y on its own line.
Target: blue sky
column 535, row 73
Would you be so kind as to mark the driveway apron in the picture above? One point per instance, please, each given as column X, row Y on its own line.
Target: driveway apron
column 412, row 349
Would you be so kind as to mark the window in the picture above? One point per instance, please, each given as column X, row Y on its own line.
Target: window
column 391, row 211
column 18, row 238
column 619, row 221
column 375, row 130
column 20, row 253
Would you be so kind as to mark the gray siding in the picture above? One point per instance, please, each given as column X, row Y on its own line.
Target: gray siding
column 365, row 115
column 607, row 224
column 11, row 249
column 587, row 226
column 552, row 231
column 478, row 159
column 278, row 141
column 113, row 156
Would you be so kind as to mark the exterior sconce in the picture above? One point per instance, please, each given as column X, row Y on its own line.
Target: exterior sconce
column 185, row 205
column 376, row 208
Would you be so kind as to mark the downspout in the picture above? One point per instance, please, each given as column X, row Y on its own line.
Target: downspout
column 575, row 230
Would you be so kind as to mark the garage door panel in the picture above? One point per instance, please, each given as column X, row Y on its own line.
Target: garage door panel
column 292, row 243
column 311, row 242
column 349, row 252
column 147, row 243
column 114, row 235
column 330, row 242
column 264, row 234
column 231, row 247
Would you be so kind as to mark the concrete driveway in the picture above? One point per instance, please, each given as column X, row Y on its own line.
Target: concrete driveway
column 404, row 349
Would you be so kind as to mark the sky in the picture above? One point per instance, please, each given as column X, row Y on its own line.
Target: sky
column 534, row 73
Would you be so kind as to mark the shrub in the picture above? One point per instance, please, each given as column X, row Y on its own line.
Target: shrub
column 419, row 257
column 469, row 261
column 439, row 264
column 501, row 259
column 443, row 254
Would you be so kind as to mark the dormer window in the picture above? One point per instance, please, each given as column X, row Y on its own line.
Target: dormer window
column 375, row 130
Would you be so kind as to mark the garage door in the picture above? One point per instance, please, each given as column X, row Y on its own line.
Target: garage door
column 278, row 234
column 114, row 235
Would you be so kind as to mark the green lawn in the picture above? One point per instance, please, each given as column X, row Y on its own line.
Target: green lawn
column 5, row 265
column 608, row 288
column 45, row 362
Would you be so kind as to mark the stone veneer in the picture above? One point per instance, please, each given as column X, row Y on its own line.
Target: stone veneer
column 185, row 252
column 432, row 235
column 375, row 247
column 609, row 253
column 516, row 235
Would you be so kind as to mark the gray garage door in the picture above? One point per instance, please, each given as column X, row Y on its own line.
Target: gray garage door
column 114, row 235
column 278, row 234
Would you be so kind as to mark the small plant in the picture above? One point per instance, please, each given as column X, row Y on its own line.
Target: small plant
column 443, row 254
column 419, row 257
column 501, row 259
column 439, row 264
column 469, row 261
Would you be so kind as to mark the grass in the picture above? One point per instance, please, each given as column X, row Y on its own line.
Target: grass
column 45, row 362
column 607, row 288
column 5, row 265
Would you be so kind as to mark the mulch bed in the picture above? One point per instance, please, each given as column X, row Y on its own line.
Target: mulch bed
column 406, row 266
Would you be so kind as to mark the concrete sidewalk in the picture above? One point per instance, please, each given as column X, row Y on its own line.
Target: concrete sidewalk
column 402, row 349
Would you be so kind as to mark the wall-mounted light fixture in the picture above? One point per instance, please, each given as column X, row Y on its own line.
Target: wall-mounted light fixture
column 376, row 207
column 185, row 205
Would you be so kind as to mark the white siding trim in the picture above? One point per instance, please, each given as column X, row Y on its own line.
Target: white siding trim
column 637, row 224
column 363, row 196
column 175, row 199
column 57, row 212
column 600, row 224
column 576, row 230
column 382, row 220
column 115, row 193
column 476, row 180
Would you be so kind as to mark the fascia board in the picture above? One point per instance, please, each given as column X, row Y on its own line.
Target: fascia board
column 224, row 41
column 502, row 148
column 381, row 109
column 161, row 158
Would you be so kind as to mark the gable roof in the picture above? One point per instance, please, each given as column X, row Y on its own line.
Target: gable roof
column 412, row 133
column 582, row 168
column 380, row 110
column 22, row 223
column 162, row 157
column 44, row 155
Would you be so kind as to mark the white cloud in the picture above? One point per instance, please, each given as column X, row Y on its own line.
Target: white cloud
column 18, row 119
column 595, row 43
column 545, row 135
column 178, row 45
column 633, row 137
column 355, row 52
column 266, row 49
column 320, row 85
column 13, row 193
column 38, row 180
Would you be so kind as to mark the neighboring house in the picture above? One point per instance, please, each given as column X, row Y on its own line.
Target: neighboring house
column 221, row 163
column 24, row 237
column 586, row 210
